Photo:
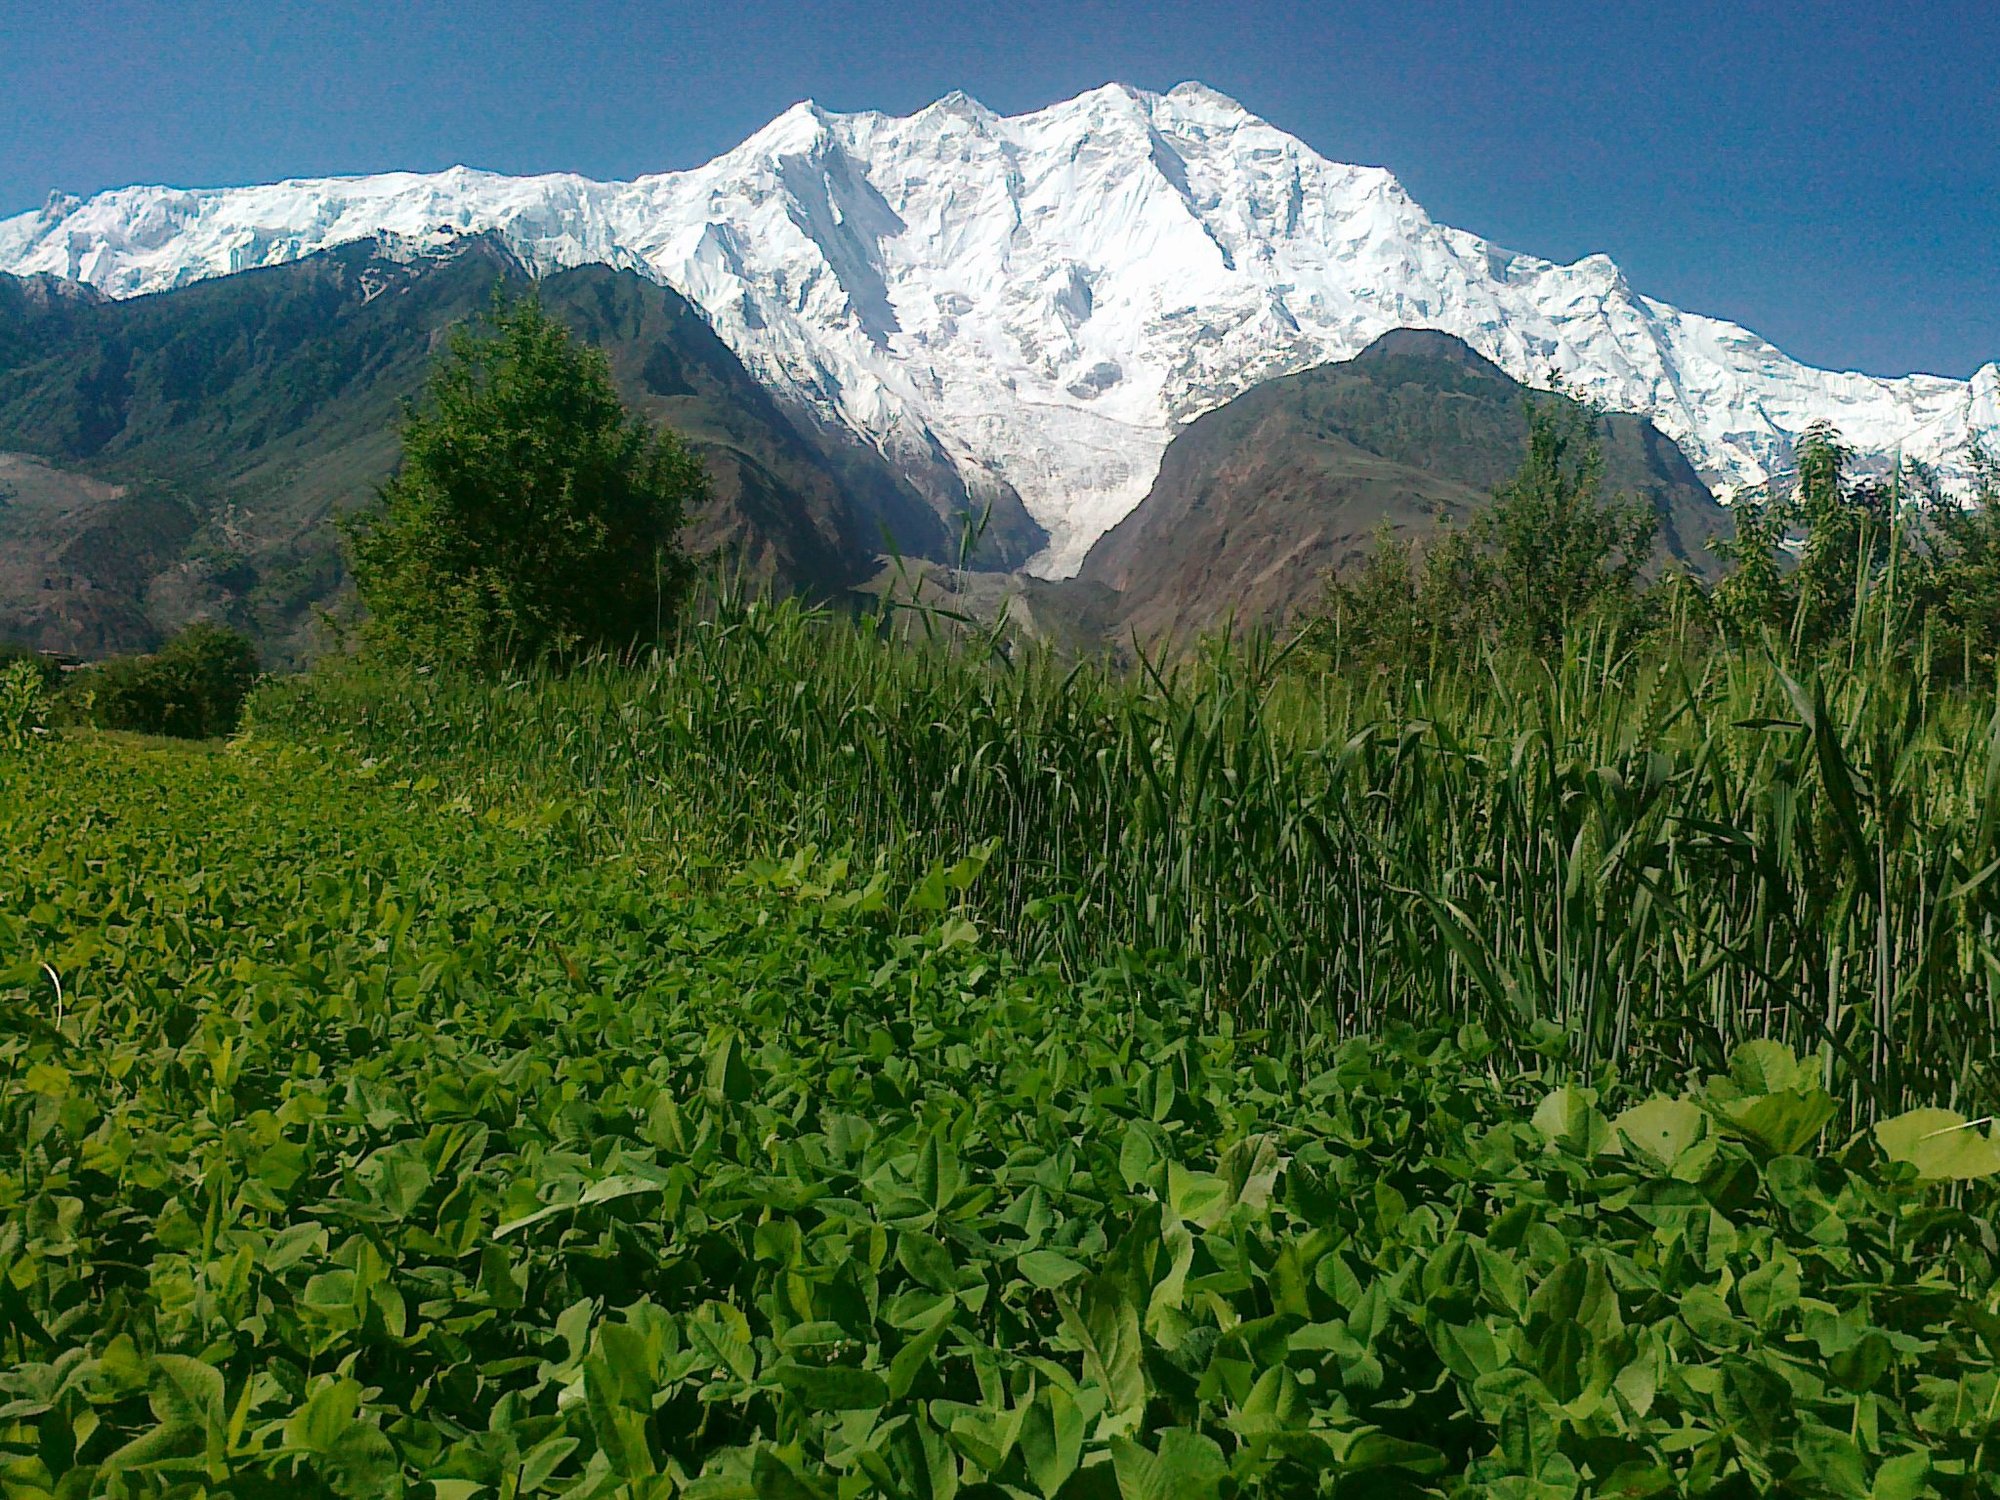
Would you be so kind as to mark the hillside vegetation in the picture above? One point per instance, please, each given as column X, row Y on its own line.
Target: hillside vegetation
column 1258, row 498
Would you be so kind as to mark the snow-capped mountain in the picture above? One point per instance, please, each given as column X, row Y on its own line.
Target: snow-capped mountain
column 1039, row 301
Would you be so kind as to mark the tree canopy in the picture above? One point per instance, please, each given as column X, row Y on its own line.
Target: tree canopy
column 532, row 518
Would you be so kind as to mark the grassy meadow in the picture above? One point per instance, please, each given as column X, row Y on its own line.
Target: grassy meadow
column 830, row 1061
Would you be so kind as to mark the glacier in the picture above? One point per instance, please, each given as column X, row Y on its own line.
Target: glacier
column 1040, row 301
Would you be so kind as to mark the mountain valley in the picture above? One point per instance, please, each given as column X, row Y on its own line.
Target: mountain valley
column 181, row 455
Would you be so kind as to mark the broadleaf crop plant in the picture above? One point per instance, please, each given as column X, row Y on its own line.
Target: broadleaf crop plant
column 459, row 1091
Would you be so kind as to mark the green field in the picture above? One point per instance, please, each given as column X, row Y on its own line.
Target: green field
column 495, row 1090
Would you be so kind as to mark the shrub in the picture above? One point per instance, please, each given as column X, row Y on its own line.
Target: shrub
column 1562, row 551
column 192, row 688
column 45, row 666
column 1961, row 582
column 1408, row 602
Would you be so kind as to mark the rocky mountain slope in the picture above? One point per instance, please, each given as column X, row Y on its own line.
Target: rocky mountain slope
column 1026, row 309
column 181, row 454
column 1256, row 500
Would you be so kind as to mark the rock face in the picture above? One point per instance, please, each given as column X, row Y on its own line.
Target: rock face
column 1024, row 310
column 1258, row 499
column 184, row 452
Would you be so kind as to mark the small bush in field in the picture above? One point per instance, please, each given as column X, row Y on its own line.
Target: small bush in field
column 192, row 688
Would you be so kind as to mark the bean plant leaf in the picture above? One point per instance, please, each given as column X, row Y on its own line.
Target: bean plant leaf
column 1104, row 1321
column 1940, row 1143
column 794, row 1198
column 832, row 1388
column 1763, row 1066
column 1049, row 1269
column 1782, row 1123
column 1569, row 1118
column 1186, row 1466
column 608, row 1190
column 1661, row 1129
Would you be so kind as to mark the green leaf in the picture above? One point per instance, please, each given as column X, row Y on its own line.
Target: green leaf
column 1940, row 1144
column 539, row 1464
column 1770, row 1290
column 931, row 894
column 1104, row 1320
column 1569, row 1118
column 721, row 1335
column 1560, row 1356
column 187, row 1393
column 1661, row 1128
column 1048, row 1269
column 1782, row 1123
column 1757, row 1402
column 771, row 1478
column 1187, row 1466
column 1249, row 1170
column 927, row 1260
column 1763, row 1066
column 1469, row 1350
column 1904, row 1477
column 1136, row 1157
column 912, row 1358
column 728, row 1077
column 1635, row 1479
column 1832, row 1459
column 1051, row 1440
column 609, row 1190
column 1861, row 1366
column 362, row 1465
column 1381, row 1450
column 832, row 1387
column 1200, row 1198
column 328, row 1413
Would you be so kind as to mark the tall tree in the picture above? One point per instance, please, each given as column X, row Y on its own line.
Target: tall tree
column 1560, row 548
column 532, row 517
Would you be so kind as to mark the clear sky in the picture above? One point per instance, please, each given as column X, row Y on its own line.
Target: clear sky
column 1828, row 174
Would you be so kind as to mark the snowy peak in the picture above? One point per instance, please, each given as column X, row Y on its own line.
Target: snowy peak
column 1031, row 305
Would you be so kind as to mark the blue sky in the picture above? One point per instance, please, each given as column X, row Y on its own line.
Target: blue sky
column 1828, row 174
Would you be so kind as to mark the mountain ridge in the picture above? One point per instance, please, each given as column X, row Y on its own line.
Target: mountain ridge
column 180, row 455
column 1024, row 309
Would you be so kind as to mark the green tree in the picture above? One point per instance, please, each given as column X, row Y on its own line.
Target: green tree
column 532, row 517
column 1961, row 585
column 1840, row 535
column 1408, row 602
column 1560, row 549
column 1756, row 594
column 1811, row 555
column 1549, row 552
